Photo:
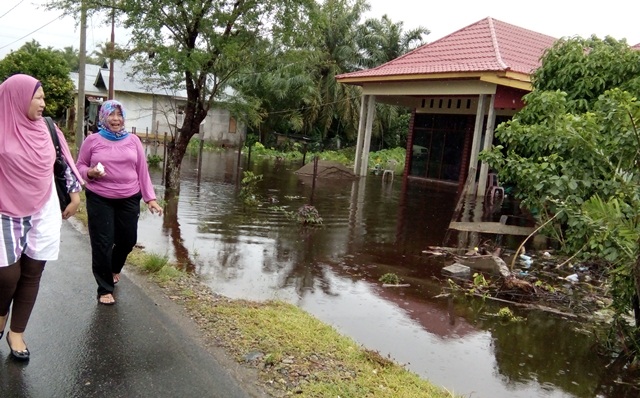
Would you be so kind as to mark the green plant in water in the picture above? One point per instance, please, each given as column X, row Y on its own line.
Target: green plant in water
column 507, row 315
column 545, row 286
column 479, row 280
column 478, row 285
column 390, row 279
column 154, row 160
column 249, row 188
column 308, row 214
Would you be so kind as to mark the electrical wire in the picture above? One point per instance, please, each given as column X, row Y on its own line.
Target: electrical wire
column 11, row 9
column 29, row 34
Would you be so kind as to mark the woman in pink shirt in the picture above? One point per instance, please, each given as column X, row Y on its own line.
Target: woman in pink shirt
column 30, row 216
column 117, row 177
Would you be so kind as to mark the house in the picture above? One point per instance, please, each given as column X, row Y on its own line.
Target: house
column 459, row 88
column 150, row 110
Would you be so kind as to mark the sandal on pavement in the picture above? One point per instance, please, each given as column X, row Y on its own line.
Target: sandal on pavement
column 19, row 355
column 102, row 298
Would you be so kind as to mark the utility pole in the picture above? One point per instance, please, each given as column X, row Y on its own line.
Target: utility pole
column 82, row 63
column 113, row 47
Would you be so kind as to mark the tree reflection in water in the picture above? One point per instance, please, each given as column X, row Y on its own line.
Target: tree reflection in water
column 370, row 228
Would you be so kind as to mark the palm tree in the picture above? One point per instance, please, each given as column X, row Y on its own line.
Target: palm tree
column 381, row 40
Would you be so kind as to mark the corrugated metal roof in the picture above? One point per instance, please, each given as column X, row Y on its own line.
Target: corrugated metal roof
column 90, row 74
column 124, row 80
column 488, row 45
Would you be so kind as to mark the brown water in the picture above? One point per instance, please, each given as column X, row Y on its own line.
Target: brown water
column 370, row 228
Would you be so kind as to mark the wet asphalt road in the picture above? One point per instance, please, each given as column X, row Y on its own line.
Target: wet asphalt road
column 141, row 347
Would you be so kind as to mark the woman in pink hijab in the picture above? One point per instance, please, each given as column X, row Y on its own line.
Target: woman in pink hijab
column 30, row 216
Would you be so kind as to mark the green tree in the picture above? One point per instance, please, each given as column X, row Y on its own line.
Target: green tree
column 586, row 68
column 199, row 46
column 382, row 40
column 296, row 87
column 47, row 65
column 105, row 51
column 573, row 154
column 70, row 56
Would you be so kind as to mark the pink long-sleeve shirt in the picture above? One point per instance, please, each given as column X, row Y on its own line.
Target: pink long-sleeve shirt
column 124, row 163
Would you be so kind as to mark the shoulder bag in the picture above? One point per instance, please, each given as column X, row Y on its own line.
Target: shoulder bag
column 59, row 167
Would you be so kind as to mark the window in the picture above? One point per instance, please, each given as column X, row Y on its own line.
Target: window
column 233, row 125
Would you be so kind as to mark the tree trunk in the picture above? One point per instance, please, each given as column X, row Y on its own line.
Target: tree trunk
column 175, row 153
column 636, row 281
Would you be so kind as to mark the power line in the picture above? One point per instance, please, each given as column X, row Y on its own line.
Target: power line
column 11, row 9
column 29, row 34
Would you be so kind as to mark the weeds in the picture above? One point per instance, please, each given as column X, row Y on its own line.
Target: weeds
column 248, row 191
column 154, row 160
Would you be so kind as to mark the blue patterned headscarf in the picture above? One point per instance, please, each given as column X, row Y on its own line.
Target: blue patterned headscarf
column 107, row 108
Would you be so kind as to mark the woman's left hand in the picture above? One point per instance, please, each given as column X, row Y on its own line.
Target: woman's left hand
column 72, row 207
column 154, row 207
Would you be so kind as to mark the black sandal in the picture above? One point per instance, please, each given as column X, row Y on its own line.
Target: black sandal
column 19, row 355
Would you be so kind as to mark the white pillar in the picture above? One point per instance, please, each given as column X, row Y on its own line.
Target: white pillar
column 475, row 147
column 361, row 127
column 488, row 142
column 371, row 109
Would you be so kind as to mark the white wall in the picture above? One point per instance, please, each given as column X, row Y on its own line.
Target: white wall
column 217, row 125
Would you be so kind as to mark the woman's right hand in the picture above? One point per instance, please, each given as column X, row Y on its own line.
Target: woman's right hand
column 96, row 172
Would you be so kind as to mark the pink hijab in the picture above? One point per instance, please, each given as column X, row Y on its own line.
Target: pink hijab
column 26, row 150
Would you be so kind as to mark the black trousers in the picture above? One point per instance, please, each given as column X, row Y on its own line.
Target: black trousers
column 113, row 231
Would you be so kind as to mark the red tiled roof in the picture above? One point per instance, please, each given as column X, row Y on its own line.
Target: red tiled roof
column 488, row 45
column 636, row 47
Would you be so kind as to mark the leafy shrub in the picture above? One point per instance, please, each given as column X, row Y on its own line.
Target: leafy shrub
column 308, row 214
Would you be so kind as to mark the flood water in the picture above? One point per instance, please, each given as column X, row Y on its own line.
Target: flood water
column 370, row 228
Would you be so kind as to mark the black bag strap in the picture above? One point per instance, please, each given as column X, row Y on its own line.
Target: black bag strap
column 54, row 134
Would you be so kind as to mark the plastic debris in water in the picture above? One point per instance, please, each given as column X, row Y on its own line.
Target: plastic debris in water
column 526, row 260
column 573, row 278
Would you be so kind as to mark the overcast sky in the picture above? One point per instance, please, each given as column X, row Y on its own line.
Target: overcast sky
column 23, row 20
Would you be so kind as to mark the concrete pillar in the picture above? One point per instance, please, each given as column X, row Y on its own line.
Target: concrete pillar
column 361, row 127
column 371, row 110
column 475, row 147
column 488, row 142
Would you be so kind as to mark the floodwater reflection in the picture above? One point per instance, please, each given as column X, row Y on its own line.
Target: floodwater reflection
column 369, row 228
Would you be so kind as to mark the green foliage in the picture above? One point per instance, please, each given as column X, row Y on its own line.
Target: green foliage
column 260, row 150
column 505, row 314
column 573, row 153
column 390, row 279
column 382, row 40
column 154, row 160
column 308, row 215
column 248, row 191
column 198, row 46
column 586, row 68
column 153, row 263
column 48, row 66
column 72, row 58
column 344, row 156
column 383, row 156
column 296, row 90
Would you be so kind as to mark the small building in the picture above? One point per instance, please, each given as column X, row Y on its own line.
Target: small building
column 458, row 88
column 150, row 111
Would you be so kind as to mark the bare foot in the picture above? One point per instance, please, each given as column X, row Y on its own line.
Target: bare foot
column 116, row 278
column 107, row 299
